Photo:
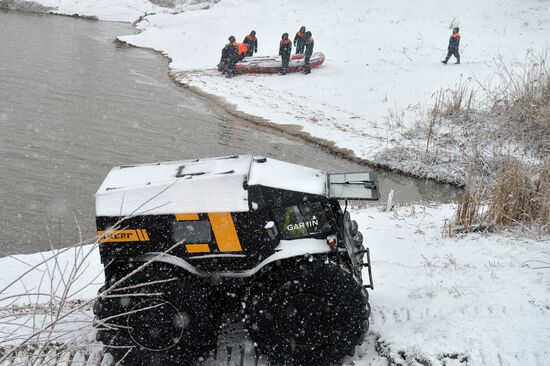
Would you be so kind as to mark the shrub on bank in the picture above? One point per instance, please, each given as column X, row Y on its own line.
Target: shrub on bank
column 518, row 197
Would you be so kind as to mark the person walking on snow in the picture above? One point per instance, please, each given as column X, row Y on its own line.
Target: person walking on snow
column 299, row 40
column 454, row 42
column 252, row 43
column 285, row 50
column 308, row 52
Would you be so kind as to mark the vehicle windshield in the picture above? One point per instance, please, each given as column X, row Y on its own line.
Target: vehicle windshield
column 302, row 220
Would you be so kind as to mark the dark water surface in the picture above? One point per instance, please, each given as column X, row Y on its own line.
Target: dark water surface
column 73, row 104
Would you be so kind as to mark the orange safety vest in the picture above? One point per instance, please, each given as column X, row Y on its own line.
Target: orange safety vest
column 250, row 38
column 285, row 41
column 242, row 48
column 300, row 34
column 456, row 35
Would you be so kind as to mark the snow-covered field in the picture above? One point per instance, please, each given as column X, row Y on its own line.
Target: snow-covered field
column 437, row 300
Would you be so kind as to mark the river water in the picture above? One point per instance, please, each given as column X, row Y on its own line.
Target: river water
column 73, row 104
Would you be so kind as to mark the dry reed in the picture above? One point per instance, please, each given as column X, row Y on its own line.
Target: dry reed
column 519, row 197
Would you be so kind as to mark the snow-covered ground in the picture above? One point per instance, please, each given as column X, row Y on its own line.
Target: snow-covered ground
column 437, row 300
column 382, row 66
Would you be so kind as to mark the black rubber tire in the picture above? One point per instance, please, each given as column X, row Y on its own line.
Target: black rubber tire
column 308, row 313
column 177, row 327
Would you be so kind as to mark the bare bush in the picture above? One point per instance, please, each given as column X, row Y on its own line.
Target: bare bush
column 520, row 196
column 453, row 102
column 480, row 124
column 522, row 101
column 470, row 211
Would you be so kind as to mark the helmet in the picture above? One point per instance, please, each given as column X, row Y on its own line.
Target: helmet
column 285, row 36
column 308, row 34
column 232, row 39
column 302, row 28
column 456, row 29
column 253, row 33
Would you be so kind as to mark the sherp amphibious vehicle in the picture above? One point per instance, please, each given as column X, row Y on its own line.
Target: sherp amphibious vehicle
column 186, row 243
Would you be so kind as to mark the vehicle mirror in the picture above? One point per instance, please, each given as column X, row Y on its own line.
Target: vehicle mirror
column 271, row 229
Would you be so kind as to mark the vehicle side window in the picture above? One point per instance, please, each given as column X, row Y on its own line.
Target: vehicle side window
column 301, row 220
column 316, row 217
column 192, row 232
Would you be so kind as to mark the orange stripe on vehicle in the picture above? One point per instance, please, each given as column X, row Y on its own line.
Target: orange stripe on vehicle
column 197, row 248
column 138, row 232
column 145, row 235
column 225, row 233
column 187, row 217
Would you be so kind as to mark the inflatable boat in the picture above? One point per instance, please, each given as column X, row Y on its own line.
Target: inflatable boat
column 272, row 64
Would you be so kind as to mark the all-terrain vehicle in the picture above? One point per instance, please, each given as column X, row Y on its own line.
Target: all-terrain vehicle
column 185, row 243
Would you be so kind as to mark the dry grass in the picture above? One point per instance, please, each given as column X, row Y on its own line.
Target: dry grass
column 470, row 210
column 522, row 103
column 520, row 197
column 454, row 102
column 516, row 109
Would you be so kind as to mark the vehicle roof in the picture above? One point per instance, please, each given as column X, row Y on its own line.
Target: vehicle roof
column 200, row 185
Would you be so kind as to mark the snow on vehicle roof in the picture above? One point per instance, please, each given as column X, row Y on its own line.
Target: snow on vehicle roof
column 199, row 185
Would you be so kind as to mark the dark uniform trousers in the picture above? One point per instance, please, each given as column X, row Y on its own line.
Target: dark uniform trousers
column 453, row 51
column 308, row 52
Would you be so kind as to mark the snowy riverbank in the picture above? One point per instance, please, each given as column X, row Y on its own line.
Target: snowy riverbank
column 372, row 96
column 437, row 300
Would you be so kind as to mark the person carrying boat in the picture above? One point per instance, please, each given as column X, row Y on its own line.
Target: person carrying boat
column 309, row 43
column 299, row 40
column 230, row 57
column 251, row 43
column 285, row 50
column 452, row 50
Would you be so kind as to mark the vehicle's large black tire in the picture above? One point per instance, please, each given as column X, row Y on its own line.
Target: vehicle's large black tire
column 176, row 327
column 308, row 313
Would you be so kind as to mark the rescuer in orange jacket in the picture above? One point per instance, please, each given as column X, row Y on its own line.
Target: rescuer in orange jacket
column 285, row 50
column 252, row 43
column 454, row 43
column 242, row 50
column 299, row 40
column 309, row 43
